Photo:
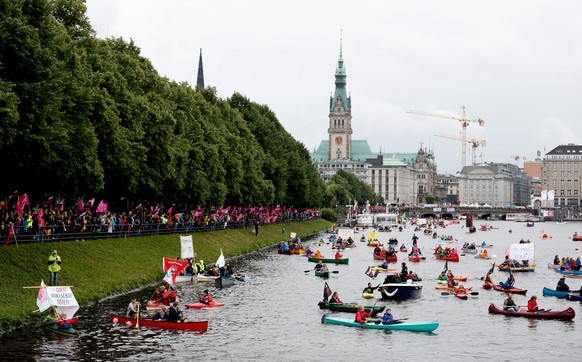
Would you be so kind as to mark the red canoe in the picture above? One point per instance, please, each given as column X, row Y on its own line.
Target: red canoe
column 566, row 314
column 194, row 326
column 453, row 258
column 202, row 305
column 509, row 290
column 487, row 286
column 389, row 259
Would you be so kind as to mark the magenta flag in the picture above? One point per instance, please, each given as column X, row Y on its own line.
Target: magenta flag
column 80, row 205
column 101, row 207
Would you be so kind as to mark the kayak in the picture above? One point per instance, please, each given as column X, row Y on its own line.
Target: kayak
column 51, row 325
column 195, row 326
column 574, row 297
column 446, row 287
column 204, row 306
column 155, row 306
column 555, row 293
column 420, row 326
column 487, row 286
column 368, row 295
column 382, row 269
column 351, row 307
column 453, row 258
column 509, row 290
column 461, row 295
column 566, row 314
column 329, row 261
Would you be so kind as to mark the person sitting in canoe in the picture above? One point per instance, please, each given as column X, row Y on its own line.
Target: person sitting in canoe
column 206, row 297
column 132, row 308
column 161, row 314
column 532, row 304
column 442, row 276
column 318, row 266
column 509, row 282
column 377, row 250
column 461, row 289
column 509, row 303
column 335, row 299
column 483, row 244
column 384, row 265
column 318, row 255
column 387, row 318
column 63, row 322
column 175, row 314
column 362, row 315
column 562, row 286
column 392, row 278
column 484, row 254
column 158, row 296
column 370, row 289
column 556, row 260
column 338, row 255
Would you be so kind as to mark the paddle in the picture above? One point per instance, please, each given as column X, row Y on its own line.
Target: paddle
column 335, row 272
column 137, row 323
column 449, row 293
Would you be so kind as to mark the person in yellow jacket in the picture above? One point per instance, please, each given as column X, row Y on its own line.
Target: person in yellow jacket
column 54, row 266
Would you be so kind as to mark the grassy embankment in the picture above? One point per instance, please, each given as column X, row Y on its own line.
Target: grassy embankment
column 98, row 268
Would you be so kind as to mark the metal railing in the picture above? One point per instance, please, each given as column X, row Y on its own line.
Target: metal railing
column 100, row 231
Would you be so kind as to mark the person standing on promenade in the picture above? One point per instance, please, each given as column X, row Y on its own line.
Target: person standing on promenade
column 54, row 266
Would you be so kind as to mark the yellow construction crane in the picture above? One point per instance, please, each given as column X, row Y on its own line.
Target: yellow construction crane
column 474, row 144
column 464, row 123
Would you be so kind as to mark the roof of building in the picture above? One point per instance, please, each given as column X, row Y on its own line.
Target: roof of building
column 569, row 149
column 361, row 151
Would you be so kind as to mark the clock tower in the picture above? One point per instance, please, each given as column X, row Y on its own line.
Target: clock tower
column 340, row 116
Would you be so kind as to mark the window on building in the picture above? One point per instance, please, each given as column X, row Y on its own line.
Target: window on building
column 562, row 182
column 562, row 165
column 554, row 182
column 562, row 173
column 575, row 192
column 554, row 174
column 575, row 173
column 554, row 165
column 562, row 192
column 569, row 192
column 569, row 182
column 569, row 165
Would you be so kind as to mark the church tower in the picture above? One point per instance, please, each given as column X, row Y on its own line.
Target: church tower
column 340, row 116
column 200, row 79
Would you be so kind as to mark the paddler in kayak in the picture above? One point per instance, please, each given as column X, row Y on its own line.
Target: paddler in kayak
column 370, row 289
column 361, row 315
column 562, row 286
column 338, row 255
column 509, row 282
column 318, row 255
column 387, row 318
column 206, row 297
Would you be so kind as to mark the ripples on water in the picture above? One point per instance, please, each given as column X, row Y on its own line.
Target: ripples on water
column 275, row 315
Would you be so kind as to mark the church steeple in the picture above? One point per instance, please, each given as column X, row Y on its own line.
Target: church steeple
column 340, row 115
column 200, row 79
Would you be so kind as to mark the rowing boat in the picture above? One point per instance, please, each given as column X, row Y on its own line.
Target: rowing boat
column 146, row 322
column 322, row 273
column 555, row 293
column 54, row 327
column 351, row 307
column 566, row 314
column 420, row 326
column 204, row 305
column 329, row 261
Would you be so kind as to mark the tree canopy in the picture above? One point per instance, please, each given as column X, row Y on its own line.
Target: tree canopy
column 86, row 116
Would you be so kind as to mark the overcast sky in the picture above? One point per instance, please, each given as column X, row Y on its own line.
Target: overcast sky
column 514, row 64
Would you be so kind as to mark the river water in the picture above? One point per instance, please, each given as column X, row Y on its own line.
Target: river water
column 275, row 316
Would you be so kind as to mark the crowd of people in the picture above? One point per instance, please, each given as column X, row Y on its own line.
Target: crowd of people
column 54, row 221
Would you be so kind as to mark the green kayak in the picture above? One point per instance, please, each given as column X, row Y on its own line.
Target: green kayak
column 329, row 261
column 421, row 326
column 351, row 307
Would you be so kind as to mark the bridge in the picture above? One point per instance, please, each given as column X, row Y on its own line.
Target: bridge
column 481, row 213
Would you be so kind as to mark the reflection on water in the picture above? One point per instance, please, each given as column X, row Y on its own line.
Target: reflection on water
column 275, row 315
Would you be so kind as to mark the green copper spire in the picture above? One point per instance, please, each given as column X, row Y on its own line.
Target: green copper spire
column 340, row 93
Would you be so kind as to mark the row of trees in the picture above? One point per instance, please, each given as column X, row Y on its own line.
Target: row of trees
column 86, row 116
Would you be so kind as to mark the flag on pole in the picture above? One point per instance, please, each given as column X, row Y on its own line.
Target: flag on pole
column 10, row 234
column 326, row 292
column 42, row 299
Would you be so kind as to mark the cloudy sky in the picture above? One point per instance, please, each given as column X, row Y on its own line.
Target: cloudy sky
column 514, row 64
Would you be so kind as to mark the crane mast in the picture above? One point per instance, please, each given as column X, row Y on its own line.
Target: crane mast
column 464, row 123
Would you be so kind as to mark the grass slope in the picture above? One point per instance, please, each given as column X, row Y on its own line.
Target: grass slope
column 98, row 268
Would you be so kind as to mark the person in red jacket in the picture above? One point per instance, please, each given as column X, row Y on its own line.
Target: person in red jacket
column 335, row 299
column 532, row 304
column 362, row 315
column 338, row 255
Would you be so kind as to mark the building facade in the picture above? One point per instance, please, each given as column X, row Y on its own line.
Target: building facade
column 561, row 172
column 447, row 188
column 494, row 184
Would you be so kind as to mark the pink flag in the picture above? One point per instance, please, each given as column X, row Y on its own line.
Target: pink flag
column 101, row 207
column 39, row 216
column 90, row 203
column 80, row 205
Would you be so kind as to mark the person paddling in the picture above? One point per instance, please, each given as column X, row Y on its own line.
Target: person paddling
column 509, row 303
column 362, row 315
column 387, row 318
